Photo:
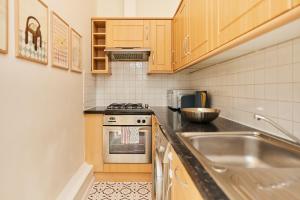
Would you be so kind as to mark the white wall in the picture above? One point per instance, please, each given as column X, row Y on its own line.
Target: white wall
column 144, row 8
column 130, row 83
column 41, row 121
column 266, row 82
column 157, row 8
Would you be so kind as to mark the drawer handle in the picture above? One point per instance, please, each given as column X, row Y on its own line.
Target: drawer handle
column 181, row 182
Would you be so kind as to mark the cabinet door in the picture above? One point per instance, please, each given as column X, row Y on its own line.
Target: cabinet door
column 198, row 28
column 125, row 33
column 160, row 59
column 177, row 43
column 296, row 2
column 93, row 141
column 183, row 26
column 183, row 187
column 236, row 17
column 279, row 6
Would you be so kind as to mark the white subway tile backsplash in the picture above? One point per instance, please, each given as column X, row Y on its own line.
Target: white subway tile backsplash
column 296, row 72
column 259, row 76
column 296, row 50
column 297, row 112
column 285, row 74
column 265, row 82
column 285, row 110
column 285, row 53
column 129, row 82
column 296, row 92
column 271, row 92
column 285, row 92
column 271, row 75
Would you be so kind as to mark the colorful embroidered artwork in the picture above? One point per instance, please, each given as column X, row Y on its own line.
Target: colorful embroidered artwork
column 60, row 42
column 32, row 30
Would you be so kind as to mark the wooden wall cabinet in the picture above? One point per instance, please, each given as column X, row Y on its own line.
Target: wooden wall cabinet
column 199, row 30
column 161, row 45
column 183, row 186
column 191, row 31
column 237, row 17
column 99, row 57
column 296, row 2
column 127, row 33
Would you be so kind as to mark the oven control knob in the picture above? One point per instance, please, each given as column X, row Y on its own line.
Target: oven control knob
column 138, row 121
column 144, row 121
column 161, row 149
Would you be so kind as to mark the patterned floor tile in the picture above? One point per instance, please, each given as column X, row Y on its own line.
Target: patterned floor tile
column 120, row 191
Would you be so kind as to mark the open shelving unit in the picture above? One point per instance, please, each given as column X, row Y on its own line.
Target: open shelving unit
column 99, row 58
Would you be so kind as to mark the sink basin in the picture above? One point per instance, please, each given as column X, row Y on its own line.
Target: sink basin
column 248, row 165
column 248, row 150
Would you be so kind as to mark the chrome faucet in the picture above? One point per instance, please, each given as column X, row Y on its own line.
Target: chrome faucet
column 277, row 126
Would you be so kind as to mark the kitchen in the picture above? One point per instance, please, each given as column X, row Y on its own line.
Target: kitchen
column 100, row 126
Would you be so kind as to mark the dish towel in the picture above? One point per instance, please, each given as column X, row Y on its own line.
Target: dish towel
column 130, row 135
column 134, row 136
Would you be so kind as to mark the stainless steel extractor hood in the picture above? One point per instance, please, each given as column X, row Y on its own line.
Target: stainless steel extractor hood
column 128, row 54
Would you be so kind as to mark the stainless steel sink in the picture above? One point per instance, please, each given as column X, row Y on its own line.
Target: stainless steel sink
column 248, row 165
column 249, row 150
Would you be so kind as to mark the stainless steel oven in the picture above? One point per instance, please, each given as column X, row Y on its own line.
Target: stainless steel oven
column 127, row 139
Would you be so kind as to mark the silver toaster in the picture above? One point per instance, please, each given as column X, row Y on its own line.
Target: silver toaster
column 175, row 96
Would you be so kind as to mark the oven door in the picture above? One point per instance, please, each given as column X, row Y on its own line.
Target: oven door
column 127, row 144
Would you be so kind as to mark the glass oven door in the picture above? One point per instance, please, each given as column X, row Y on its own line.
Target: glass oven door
column 127, row 144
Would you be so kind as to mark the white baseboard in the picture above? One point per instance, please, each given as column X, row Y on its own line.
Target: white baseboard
column 76, row 188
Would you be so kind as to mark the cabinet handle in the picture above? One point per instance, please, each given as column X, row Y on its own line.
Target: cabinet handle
column 153, row 57
column 181, row 182
column 188, row 44
column 184, row 45
column 147, row 33
column 173, row 57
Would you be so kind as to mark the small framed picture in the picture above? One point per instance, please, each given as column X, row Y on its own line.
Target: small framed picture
column 3, row 26
column 75, row 51
column 32, row 30
column 60, row 42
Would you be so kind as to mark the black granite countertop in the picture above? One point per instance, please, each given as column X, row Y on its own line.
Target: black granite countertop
column 103, row 110
column 95, row 110
column 173, row 123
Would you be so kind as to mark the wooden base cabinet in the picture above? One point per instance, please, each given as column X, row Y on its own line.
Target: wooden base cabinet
column 93, row 141
column 94, row 152
column 182, row 187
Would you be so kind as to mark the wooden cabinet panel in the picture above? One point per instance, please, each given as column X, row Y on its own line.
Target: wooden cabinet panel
column 236, row 17
column 160, row 59
column 183, row 187
column 176, row 43
column 125, row 33
column 279, row 6
column 183, row 26
column 296, row 2
column 93, row 141
column 198, row 37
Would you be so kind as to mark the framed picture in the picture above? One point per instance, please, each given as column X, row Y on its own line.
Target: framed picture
column 75, row 51
column 32, row 30
column 3, row 26
column 60, row 42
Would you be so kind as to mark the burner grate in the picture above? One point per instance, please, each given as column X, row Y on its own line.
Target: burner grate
column 125, row 106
